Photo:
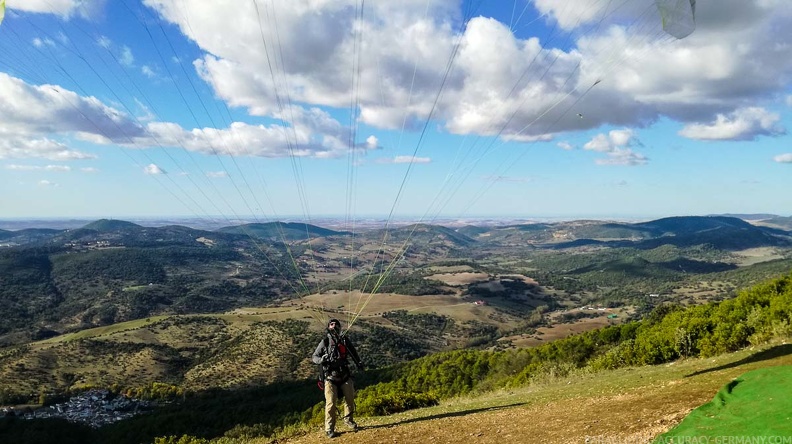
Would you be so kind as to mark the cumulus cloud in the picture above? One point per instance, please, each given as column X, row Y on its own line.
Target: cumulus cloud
column 783, row 158
column 47, row 109
column 314, row 134
column 616, row 145
column 153, row 170
column 617, row 71
column 18, row 147
column 615, row 139
column 742, row 124
column 34, row 112
column 47, row 183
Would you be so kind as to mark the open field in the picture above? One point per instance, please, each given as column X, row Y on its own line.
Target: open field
column 458, row 279
column 105, row 330
column 544, row 335
column 758, row 255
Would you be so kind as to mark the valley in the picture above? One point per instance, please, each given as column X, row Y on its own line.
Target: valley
column 117, row 304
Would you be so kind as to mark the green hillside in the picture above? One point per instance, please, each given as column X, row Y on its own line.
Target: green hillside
column 422, row 235
column 281, row 231
column 111, row 225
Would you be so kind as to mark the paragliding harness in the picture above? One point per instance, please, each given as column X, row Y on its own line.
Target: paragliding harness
column 336, row 369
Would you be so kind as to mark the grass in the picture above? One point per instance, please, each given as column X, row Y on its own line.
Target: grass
column 105, row 330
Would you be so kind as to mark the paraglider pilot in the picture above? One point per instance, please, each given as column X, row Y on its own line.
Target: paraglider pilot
column 333, row 354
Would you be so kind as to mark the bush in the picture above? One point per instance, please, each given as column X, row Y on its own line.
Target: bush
column 379, row 404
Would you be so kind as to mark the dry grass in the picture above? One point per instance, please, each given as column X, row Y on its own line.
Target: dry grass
column 459, row 279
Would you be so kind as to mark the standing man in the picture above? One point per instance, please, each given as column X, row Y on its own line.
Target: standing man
column 332, row 354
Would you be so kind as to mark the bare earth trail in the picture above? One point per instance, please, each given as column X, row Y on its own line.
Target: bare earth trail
column 622, row 406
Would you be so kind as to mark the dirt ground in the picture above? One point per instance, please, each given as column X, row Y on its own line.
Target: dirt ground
column 641, row 416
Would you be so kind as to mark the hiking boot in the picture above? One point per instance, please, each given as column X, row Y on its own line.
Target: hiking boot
column 331, row 434
column 352, row 425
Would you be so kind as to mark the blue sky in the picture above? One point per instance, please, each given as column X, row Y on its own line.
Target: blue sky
column 271, row 109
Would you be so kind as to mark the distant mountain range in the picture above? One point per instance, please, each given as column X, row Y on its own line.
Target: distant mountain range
column 112, row 270
column 726, row 232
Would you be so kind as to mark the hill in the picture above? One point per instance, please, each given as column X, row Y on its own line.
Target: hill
column 424, row 235
column 282, row 231
column 110, row 225
column 722, row 232
column 27, row 235
column 784, row 223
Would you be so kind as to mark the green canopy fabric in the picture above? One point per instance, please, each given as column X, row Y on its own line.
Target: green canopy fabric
column 756, row 405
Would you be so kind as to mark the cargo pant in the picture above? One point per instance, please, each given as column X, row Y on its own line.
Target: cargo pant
column 331, row 402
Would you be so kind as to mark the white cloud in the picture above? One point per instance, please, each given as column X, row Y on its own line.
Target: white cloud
column 47, row 183
column 153, row 170
column 104, row 42
column 616, row 146
column 405, row 159
column 126, row 58
column 564, row 145
column 314, row 134
column 40, row 43
column 500, row 84
column 615, row 139
column 64, row 8
column 32, row 113
column 61, row 168
column 742, row 124
column 16, row 147
column 89, row 170
column 623, row 156
column 783, row 158
column 789, row 100
column 38, row 111
column 148, row 72
column 216, row 174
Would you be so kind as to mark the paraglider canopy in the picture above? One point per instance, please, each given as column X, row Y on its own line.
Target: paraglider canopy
column 679, row 16
column 2, row 10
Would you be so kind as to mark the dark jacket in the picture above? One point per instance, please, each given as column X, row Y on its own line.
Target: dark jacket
column 333, row 354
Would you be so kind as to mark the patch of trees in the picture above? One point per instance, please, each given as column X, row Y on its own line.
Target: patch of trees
column 425, row 323
column 572, row 317
column 411, row 284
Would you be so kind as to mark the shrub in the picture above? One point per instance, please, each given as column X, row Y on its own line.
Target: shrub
column 380, row 404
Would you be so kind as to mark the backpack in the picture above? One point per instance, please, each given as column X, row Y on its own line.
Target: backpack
column 339, row 353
